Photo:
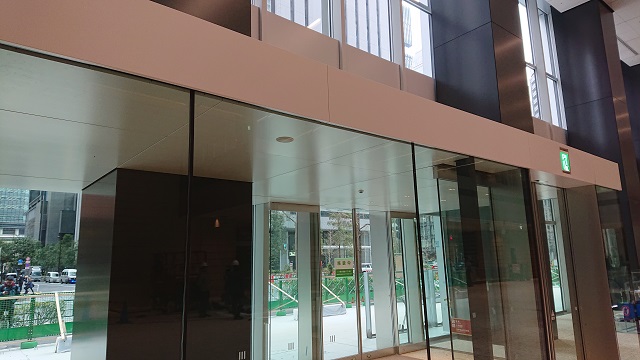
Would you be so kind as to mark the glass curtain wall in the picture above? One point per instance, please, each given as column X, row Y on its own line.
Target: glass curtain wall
column 308, row 13
column 484, row 236
column 416, row 22
column 368, row 26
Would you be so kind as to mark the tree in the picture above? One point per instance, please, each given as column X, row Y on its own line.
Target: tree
column 58, row 256
column 19, row 248
column 279, row 236
column 339, row 239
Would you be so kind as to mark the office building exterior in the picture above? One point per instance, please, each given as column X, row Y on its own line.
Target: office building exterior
column 51, row 216
column 13, row 204
column 337, row 179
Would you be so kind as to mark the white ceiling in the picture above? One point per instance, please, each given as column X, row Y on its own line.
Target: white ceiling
column 63, row 127
column 627, row 19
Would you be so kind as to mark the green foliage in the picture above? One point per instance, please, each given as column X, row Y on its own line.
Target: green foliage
column 58, row 256
column 52, row 257
column 338, row 240
column 279, row 237
column 20, row 248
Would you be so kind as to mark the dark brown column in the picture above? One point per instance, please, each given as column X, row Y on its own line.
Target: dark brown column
column 474, row 255
column 595, row 101
column 479, row 60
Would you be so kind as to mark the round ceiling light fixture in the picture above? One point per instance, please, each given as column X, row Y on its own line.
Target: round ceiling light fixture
column 284, row 139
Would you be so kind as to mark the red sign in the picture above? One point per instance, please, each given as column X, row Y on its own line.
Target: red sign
column 461, row 326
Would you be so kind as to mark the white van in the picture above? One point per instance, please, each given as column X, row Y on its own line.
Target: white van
column 52, row 277
column 68, row 276
column 36, row 273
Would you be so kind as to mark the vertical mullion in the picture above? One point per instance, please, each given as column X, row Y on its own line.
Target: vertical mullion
column 187, row 245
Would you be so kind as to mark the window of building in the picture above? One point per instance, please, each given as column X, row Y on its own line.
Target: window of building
column 545, row 92
column 368, row 26
column 548, row 51
column 417, row 36
column 304, row 12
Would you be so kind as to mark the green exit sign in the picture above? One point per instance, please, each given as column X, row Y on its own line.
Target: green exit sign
column 565, row 162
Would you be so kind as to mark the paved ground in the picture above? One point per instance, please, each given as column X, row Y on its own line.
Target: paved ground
column 42, row 352
column 51, row 287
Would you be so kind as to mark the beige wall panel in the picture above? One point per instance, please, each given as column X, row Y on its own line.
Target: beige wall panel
column 419, row 84
column 126, row 35
column 545, row 155
column 607, row 175
column 255, row 22
column 290, row 36
column 365, row 105
column 541, row 128
column 370, row 66
column 558, row 134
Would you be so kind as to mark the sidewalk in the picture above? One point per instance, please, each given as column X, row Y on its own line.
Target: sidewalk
column 42, row 352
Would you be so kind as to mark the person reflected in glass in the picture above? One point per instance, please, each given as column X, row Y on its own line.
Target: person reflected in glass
column 233, row 289
column 203, row 288
column 7, row 307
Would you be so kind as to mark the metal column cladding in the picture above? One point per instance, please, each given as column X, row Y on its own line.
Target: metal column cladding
column 596, row 106
column 232, row 14
column 478, row 60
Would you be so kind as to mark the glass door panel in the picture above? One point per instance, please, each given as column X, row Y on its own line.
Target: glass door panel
column 283, row 295
column 339, row 298
column 408, row 299
column 377, row 282
column 554, row 230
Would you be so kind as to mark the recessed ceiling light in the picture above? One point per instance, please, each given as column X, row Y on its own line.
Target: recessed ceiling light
column 284, row 139
column 443, row 200
column 452, row 189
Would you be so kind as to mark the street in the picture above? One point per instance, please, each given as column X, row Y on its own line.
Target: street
column 43, row 287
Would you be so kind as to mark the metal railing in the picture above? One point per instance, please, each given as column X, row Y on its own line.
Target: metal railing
column 26, row 317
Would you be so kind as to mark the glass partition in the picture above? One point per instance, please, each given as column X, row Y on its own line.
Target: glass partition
column 624, row 285
column 478, row 233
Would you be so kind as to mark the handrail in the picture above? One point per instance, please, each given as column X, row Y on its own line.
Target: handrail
column 334, row 295
column 24, row 297
column 284, row 292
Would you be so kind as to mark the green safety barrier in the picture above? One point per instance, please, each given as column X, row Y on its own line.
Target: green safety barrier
column 28, row 317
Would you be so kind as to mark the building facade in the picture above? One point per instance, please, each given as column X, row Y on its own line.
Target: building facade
column 51, row 216
column 339, row 179
column 13, row 204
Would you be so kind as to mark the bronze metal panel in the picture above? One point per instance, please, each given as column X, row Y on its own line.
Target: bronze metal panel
column 505, row 13
column 592, row 287
column 512, row 80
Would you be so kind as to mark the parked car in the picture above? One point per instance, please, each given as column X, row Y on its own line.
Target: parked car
column 52, row 277
column 366, row 267
column 68, row 276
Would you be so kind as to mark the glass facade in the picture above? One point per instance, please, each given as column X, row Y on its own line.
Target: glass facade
column 304, row 12
column 283, row 238
column 541, row 63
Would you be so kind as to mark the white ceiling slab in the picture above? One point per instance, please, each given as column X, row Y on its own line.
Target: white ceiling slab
column 627, row 19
